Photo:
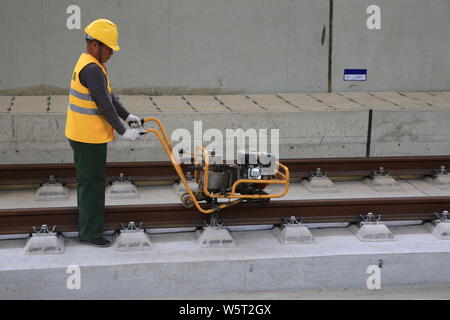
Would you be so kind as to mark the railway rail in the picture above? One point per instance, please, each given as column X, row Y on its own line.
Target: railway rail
column 175, row 215
column 164, row 171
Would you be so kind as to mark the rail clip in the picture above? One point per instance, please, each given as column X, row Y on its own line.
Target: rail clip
column 132, row 238
column 440, row 227
column 44, row 241
column 372, row 229
column 293, row 231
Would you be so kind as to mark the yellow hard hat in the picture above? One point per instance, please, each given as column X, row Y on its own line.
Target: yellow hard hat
column 105, row 31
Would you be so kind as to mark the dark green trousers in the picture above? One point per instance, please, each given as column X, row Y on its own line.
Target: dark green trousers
column 90, row 164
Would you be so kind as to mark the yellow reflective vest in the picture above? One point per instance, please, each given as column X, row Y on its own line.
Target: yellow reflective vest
column 84, row 121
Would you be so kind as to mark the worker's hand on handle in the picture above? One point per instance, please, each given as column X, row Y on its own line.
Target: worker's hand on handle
column 131, row 134
column 133, row 121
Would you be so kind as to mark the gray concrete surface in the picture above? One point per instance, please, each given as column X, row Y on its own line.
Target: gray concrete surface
column 410, row 133
column 241, row 46
column 439, row 292
column 409, row 52
column 310, row 125
column 177, row 266
column 251, row 46
column 407, row 123
column 34, row 136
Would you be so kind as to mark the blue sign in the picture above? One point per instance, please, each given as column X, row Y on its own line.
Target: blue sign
column 355, row 74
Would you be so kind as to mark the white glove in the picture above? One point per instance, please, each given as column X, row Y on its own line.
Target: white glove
column 133, row 121
column 131, row 134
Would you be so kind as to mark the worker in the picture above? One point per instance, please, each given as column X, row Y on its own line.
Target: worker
column 92, row 115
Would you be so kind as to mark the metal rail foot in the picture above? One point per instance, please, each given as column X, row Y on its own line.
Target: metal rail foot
column 215, row 235
column 440, row 227
column 122, row 188
column 293, row 231
column 318, row 182
column 44, row 241
column 372, row 229
column 440, row 178
column 382, row 181
column 52, row 190
column 132, row 238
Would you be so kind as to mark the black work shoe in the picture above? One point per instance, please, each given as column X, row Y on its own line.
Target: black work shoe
column 98, row 242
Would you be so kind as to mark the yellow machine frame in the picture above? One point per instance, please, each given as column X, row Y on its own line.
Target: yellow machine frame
column 283, row 178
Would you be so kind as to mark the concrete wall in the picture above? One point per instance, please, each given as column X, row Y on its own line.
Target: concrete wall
column 240, row 46
column 410, row 52
column 247, row 46
column 320, row 125
column 40, row 138
column 410, row 133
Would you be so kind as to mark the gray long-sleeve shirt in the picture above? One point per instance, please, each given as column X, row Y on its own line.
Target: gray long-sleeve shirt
column 92, row 77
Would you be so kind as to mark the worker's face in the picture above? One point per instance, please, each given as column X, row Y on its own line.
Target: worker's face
column 94, row 48
column 107, row 52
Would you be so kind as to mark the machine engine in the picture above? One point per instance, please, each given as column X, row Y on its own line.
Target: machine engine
column 253, row 166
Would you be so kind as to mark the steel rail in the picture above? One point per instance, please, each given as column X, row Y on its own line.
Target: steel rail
column 163, row 170
column 175, row 215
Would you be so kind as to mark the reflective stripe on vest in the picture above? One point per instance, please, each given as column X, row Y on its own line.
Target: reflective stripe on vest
column 80, row 95
column 92, row 112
